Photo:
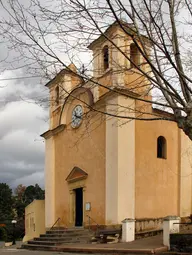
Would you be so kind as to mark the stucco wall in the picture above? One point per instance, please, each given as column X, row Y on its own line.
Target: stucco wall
column 112, row 164
column 126, row 162
column 186, row 176
column 120, row 162
column 66, row 82
column 157, row 179
column 49, row 182
column 119, row 73
column 34, row 220
column 83, row 147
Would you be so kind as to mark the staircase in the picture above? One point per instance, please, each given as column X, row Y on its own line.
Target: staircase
column 57, row 237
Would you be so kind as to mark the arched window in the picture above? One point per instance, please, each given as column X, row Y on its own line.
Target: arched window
column 161, row 147
column 105, row 57
column 57, row 95
column 134, row 55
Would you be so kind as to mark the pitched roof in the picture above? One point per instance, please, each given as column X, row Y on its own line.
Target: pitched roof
column 128, row 27
column 69, row 69
column 110, row 27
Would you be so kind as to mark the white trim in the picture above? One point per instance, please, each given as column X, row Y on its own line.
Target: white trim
column 120, row 163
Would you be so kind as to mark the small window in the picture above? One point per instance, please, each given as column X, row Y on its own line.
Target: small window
column 105, row 58
column 161, row 147
column 57, row 95
column 134, row 55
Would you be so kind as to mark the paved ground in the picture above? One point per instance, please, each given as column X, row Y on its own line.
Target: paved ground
column 152, row 242
column 145, row 245
column 12, row 251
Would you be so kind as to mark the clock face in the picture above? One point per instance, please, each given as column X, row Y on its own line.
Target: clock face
column 77, row 115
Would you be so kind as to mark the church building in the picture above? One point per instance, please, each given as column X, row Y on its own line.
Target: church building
column 102, row 167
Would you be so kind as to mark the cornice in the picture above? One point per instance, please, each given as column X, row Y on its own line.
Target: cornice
column 53, row 132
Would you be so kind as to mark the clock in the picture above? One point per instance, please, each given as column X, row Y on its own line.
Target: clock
column 77, row 116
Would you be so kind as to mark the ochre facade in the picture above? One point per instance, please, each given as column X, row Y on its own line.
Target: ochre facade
column 34, row 220
column 107, row 168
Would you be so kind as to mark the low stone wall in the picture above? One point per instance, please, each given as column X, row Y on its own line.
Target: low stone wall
column 148, row 224
column 181, row 242
column 141, row 225
column 97, row 227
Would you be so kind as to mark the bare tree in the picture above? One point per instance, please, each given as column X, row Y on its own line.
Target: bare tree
column 48, row 35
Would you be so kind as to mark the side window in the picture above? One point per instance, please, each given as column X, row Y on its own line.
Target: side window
column 161, row 147
column 57, row 95
column 134, row 55
column 105, row 58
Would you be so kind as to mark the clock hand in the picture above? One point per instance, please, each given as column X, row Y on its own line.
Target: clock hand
column 77, row 116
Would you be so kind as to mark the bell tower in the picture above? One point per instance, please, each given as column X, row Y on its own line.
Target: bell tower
column 117, row 61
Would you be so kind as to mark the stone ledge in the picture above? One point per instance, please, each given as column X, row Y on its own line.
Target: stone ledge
column 95, row 250
column 152, row 232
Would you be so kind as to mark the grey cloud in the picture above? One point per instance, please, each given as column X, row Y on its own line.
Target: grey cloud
column 22, row 122
column 17, row 116
column 30, row 179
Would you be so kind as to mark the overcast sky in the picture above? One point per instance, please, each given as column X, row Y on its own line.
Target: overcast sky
column 22, row 122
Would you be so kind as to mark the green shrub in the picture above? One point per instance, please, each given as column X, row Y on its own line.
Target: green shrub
column 3, row 234
column 9, row 238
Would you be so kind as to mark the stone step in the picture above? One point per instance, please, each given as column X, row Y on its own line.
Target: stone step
column 67, row 248
column 67, row 232
column 57, row 237
column 65, row 235
column 49, row 243
column 53, row 243
column 61, row 238
column 70, row 229
column 38, row 247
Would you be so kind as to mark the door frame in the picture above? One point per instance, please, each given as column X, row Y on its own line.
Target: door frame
column 72, row 205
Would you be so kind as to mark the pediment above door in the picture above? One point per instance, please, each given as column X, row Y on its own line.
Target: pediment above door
column 76, row 174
